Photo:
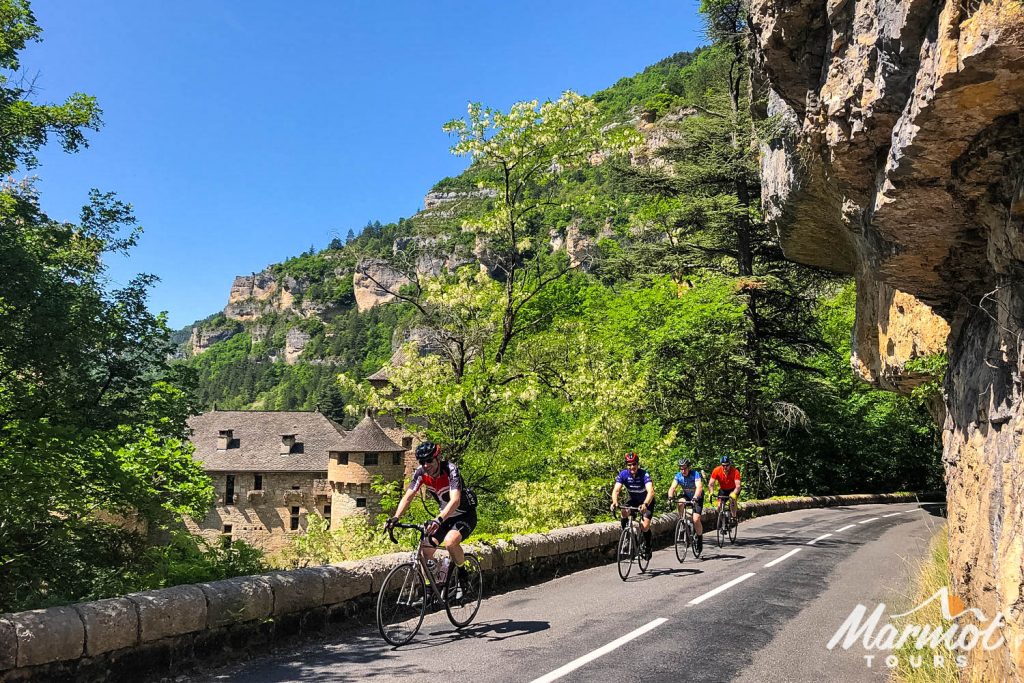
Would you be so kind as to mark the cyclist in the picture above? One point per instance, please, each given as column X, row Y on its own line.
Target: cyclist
column 693, row 490
column 456, row 519
column 638, row 483
column 727, row 476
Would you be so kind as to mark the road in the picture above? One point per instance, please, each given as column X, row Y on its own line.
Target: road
column 672, row 624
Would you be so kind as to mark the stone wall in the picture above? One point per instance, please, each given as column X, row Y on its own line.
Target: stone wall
column 262, row 518
column 165, row 632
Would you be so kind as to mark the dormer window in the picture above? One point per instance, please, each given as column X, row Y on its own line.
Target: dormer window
column 291, row 444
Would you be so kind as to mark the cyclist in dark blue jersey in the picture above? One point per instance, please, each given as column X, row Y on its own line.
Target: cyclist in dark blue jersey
column 637, row 483
column 692, row 486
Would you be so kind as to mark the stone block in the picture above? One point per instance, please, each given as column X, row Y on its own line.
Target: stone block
column 296, row 590
column 109, row 625
column 170, row 612
column 48, row 635
column 590, row 535
column 345, row 581
column 528, row 546
column 567, row 540
column 379, row 567
column 237, row 600
column 8, row 645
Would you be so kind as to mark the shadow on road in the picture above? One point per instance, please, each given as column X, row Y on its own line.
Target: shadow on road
column 488, row 631
column 654, row 573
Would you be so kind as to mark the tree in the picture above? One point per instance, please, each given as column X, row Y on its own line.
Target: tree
column 92, row 419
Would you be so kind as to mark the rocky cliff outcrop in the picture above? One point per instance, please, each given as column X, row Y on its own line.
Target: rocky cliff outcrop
column 904, row 166
column 204, row 338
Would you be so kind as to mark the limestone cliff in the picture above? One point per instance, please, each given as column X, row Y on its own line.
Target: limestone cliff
column 903, row 165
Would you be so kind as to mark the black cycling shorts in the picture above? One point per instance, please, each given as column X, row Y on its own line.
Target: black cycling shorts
column 464, row 524
column 649, row 512
column 698, row 504
column 722, row 493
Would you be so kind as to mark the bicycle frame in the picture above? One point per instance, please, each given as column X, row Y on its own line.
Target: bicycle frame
column 418, row 557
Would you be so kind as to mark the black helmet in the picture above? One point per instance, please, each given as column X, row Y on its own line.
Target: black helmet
column 725, row 460
column 684, row 463
column 427, row 451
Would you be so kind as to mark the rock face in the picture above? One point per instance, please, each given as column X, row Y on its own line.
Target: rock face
column 372, row 282
column 295, row 344
column 253, row 295
column 203, row 339
column 904, row 166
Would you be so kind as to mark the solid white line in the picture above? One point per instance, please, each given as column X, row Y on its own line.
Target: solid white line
column 618, row 642
column 818, row 539
column 848, row 526
column 791, row 553
column 723, row 587
column 869, row 519
column 892, row 514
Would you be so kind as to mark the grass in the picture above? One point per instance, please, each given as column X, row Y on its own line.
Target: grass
column 933, row 574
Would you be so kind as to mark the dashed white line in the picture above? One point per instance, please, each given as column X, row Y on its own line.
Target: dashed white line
column 869, row 519
column 618, row 642
column 819, row 538
column 723, row 587
column 893, row 514
column 848, row 526
column 791, row 553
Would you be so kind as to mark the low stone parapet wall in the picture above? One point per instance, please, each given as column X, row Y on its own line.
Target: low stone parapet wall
column 164, row 632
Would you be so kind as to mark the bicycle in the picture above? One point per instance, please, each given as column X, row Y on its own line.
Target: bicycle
column 403, row 599
column 686, row 534
column 727, row 522
column 632, row 547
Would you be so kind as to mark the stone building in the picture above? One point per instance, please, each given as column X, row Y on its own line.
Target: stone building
column 270, row 469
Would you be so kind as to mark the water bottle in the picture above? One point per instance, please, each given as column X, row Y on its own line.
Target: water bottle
column 442, row 570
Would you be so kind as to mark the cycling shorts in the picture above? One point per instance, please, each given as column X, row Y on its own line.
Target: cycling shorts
column 722, row 493
column 649, row 512
column 698, row 504
column 464, row 524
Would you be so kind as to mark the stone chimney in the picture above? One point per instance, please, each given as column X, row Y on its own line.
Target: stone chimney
column 224, row 437
column 287, row 443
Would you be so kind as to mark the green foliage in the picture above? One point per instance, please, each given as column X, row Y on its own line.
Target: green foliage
column 657, row 88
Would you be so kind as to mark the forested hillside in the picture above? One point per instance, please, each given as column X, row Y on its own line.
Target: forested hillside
column 606, row 284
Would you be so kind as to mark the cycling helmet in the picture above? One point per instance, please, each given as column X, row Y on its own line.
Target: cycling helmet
column 632, row 458
column 725, row 460
column 684, row 463
column 427, row 451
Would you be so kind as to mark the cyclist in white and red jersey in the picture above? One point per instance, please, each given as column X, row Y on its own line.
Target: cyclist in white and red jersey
column 456, row 518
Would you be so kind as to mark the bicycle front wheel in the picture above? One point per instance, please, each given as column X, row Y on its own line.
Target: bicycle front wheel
column 463, row 594
column 682, row 540
column 722, row 530
column 625, row 552
column 401, row 604
column 643, row 558
column 734, row 525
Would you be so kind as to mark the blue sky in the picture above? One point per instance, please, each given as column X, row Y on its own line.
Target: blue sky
column 245, row 132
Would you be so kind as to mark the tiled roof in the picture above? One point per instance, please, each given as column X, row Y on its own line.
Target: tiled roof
column 382, row 375
column 258, row 435
column 368, row 437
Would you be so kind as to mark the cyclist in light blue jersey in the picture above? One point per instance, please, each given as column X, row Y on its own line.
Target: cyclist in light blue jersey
column 692, row 486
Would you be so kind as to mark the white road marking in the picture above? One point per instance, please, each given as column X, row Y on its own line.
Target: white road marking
column 791, row 553
column 869, row 519
column 892, row 514
column 723, row 587
column 618, row 642
column 823, row 536
column 848, row 526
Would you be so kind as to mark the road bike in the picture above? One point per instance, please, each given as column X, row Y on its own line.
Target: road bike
column 686, row 535
column 412, row 587
column 727, row 522
column 632, row 547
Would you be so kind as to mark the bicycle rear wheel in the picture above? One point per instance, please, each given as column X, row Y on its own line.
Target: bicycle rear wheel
column 463, row 598
column 643, row 560
column 625, row 552
column 682, row 539
column 734, row 525
column 401, row 604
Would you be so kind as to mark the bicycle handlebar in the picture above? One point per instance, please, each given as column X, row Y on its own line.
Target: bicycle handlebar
column 399, row 525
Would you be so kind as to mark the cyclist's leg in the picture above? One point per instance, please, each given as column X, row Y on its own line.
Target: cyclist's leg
column 624, row 520
column 698, row 509
column 645, row 523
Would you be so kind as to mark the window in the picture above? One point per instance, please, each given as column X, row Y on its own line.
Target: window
column 327, row 515
column 257, row 482
column 295, row 487
column 225, row 538
column 227, row 529
column 406, row 442
column 360, row 502
column 229, row 490
column 370, row 459
column 396, row 458
column 342, row 458
column 295, row 518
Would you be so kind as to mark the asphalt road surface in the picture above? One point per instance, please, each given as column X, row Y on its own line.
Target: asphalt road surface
column 761, row 609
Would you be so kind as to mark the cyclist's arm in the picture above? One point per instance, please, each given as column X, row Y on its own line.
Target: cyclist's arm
column 650, row 494
column 699, row 491
column 455, row 497
column 615, row 493
column 672, row 489
column 403, row 504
